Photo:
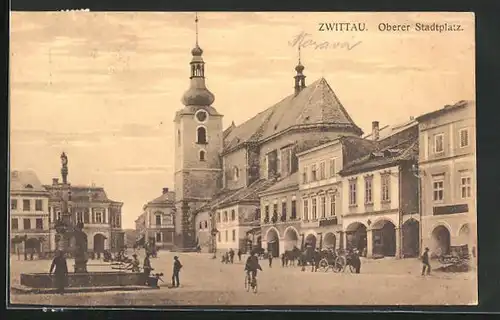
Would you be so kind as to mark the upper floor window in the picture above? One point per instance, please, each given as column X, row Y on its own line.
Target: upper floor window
column 236, row 173
column 314, row 214
column 79, row 216
column 233, row 215
column 178, row 137
column 283, row 210
column 304, row 175
column 39, row 224
column 98, row 217
column 439, row 143
column 26, row 205
column 272, row 163
column 275, row 211
column 219, row 237
column 206, row 224
column 322, row 170
column 294, row 210
column 158, row 219
column 226, row 235
column 202, row 155
column 218, row 217
column 38, row 205
column 234, row 235
column 332, row 205
column 158, row 237
column 464, row 138
column 323, row 206
column 306, row 210
column 13, row 204
column 386, row 183
column 352, row 192
column 333, row 169
column 200, row 225
column 314, row 173
column 266, row 212
column 286, row 161
column 86, row 216
column 26, row 224
column 438, row 189
column 201, row 135
column 466, row 186
column 368, row 190
column 225, row 216
column 14, row 224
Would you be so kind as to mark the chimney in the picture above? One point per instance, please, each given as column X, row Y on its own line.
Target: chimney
column 375, row 131
column 165, row 190
column 55, row 181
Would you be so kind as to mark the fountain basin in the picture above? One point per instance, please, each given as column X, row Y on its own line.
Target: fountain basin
column 79, row 280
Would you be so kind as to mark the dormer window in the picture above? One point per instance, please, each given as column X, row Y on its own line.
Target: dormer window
column 236, row 173
column 201, row 135
column 28, row 186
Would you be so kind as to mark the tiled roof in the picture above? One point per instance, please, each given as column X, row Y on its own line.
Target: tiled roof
column 315, row 104
column 80, row 193
column 167, row 197
column 25, row 181
column 219, row 197
column 389, row 130
column 406, row 150
column 287, row 182
column 250, row 193
column 305, row 145
column 446, row 109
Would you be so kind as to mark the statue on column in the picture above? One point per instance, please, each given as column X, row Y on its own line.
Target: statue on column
column 81, row 246
column 64, row 169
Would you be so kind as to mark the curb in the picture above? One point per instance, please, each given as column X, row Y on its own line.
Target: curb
column 27, row 290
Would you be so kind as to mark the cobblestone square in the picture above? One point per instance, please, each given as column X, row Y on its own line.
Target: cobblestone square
column 205, row 281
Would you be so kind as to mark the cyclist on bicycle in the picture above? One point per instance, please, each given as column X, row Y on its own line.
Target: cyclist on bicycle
column 252, row 265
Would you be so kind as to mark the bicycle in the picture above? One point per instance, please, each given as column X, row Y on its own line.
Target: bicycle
column 250, row 283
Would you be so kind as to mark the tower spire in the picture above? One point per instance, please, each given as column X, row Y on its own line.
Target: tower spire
column 300, row 78
column 196, row 22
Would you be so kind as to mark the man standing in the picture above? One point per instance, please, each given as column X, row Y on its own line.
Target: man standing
column 231, row 255
column 239, row 255
column 270, row 257
column 175, row 274
column 425, row 262
column 61, row 272
column 147, row 268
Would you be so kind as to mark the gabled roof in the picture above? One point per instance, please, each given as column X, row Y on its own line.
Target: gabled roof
column 391, row 155
column 26, row 180
column 316, row 104
column 165, row 198
column 289, row 181
column 216, row 199
column 248, row 194
column 448, row 108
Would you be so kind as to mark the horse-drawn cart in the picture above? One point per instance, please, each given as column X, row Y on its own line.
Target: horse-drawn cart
column 457, row 255
column 336, row 261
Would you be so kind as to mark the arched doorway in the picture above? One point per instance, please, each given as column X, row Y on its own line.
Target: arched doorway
column 259, row 242
column 329, row 241
column 411, row 238
column 310, row 241
column 384, row 238
column 356, row 236
column 441, row 240
column 273, row 242
column 464, row 235
column 291, row 238
column 99, row 243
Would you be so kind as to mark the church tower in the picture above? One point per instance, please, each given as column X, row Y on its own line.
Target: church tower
column 198, row 144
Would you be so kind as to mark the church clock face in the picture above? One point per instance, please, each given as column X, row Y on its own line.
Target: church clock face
column 201, row 116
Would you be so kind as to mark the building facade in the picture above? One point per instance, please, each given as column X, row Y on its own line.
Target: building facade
column 447, row 168
column 380, row 195
column 29, row 213
column 157, row 221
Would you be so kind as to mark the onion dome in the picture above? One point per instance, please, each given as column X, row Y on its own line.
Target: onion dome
column 197, row 51
column 198, row 94
column 299, row 68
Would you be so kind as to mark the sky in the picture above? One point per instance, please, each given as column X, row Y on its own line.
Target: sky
column 104, row 87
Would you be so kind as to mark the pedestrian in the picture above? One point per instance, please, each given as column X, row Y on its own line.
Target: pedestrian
column 239, row 255
column 175, row 274
column 356, row 261
column 270, row 257
column 231, row 255
column 61, row 271
column 283, row 260
column 147, row 268
column 425, row 262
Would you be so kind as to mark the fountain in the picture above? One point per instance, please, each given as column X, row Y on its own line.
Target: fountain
column 81, row 279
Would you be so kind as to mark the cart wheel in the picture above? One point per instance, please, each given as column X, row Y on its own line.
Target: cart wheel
column 339, row 264
column 323, row 265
